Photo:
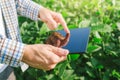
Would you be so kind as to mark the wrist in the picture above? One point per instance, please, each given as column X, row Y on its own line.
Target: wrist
column 40, row 10
column 27, row 50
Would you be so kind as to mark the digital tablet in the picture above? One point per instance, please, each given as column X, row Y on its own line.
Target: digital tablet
column 79, row 38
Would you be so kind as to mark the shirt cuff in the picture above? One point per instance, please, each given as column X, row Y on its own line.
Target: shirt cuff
column 11, row 52
column 33, row 10
column 28, row 9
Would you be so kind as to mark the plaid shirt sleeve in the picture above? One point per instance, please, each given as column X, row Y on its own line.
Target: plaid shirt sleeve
column 11, row 52
column 28, row 8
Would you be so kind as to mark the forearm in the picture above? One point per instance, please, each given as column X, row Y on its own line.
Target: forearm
column 28, row 8
column 11, row 52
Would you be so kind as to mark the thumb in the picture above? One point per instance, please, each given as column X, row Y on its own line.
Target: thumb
column 60, row 51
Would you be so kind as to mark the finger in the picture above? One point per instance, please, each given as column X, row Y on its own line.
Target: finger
column 60, row 51
column 52, row 58
column 63, row 58
column 52, row 24
column 62, row 22
column 52, row 66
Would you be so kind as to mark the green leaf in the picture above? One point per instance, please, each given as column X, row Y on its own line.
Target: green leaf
column 61, row 68
column 116, row 74
column 97, row 35
column 118, row 25
column 74, row 56
column 84, row 23
column 100, row 66
column 89, row 64
column 43, row 29
column 106, row 75
column 64, row 13
column 90, row 72
column 97, row 40
column 68, row 75
column 94, row 62
column 93, row 48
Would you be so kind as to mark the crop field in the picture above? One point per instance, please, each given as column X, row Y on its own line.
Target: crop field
column 102, row 58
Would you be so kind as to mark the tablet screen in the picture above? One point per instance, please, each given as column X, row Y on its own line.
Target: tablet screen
column 79, row 38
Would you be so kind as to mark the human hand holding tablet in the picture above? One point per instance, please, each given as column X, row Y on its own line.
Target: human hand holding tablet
column 78, row 40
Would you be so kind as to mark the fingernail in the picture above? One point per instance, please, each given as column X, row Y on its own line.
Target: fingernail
column 67, row 31
column 66, row 52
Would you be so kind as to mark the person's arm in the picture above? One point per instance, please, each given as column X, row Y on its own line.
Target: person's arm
column 39, row 56
column 11, row 52
column 34, row 11
column 28, row 9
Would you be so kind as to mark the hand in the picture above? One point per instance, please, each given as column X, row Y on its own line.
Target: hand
column 43, row 56
column 52, row 19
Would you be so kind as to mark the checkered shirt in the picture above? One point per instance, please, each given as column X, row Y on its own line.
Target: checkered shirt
column 11, row 47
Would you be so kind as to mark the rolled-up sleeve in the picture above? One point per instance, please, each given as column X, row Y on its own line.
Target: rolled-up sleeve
column 11, row 52
column 28, row 8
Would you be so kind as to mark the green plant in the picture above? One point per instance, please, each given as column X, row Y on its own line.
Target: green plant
column 101, row 61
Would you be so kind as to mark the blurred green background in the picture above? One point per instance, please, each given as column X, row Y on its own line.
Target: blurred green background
column 102, row 59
